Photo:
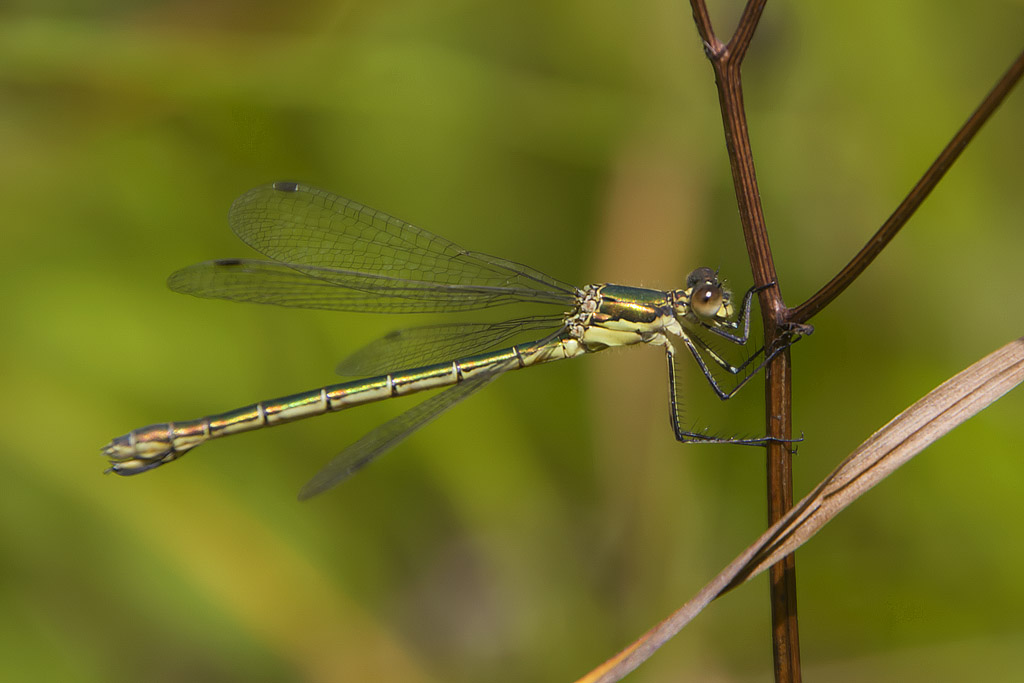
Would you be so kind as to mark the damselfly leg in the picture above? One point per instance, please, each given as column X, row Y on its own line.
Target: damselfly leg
column 696, row 345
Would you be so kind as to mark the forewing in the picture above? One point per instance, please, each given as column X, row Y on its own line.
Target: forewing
column 307, row 227
column 283, row 284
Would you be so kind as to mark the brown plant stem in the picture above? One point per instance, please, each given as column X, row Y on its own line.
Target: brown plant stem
column 726, row 60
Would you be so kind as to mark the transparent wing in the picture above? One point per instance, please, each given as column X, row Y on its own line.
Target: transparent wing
column 418, row 346
column 291, row 285
column 389, row 435
column 340, row 242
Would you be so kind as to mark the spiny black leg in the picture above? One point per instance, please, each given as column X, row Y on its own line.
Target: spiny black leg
column 721, row 362
column 722, row 394
column 685, row 436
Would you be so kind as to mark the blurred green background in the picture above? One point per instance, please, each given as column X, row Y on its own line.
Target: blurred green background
column 549, row 521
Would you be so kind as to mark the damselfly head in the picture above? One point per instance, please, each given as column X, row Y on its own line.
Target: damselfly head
column 705, row 296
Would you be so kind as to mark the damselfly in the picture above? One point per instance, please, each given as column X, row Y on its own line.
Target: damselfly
column 332, row 253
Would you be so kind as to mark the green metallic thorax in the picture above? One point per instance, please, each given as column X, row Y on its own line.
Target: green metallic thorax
column 629, row 315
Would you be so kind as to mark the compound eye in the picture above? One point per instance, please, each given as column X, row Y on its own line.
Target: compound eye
column 706, row 300
column 701, row 275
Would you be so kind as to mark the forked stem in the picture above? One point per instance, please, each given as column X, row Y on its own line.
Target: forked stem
column 726, row 61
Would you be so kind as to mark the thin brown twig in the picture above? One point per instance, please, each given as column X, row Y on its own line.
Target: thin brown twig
column 917, row 195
